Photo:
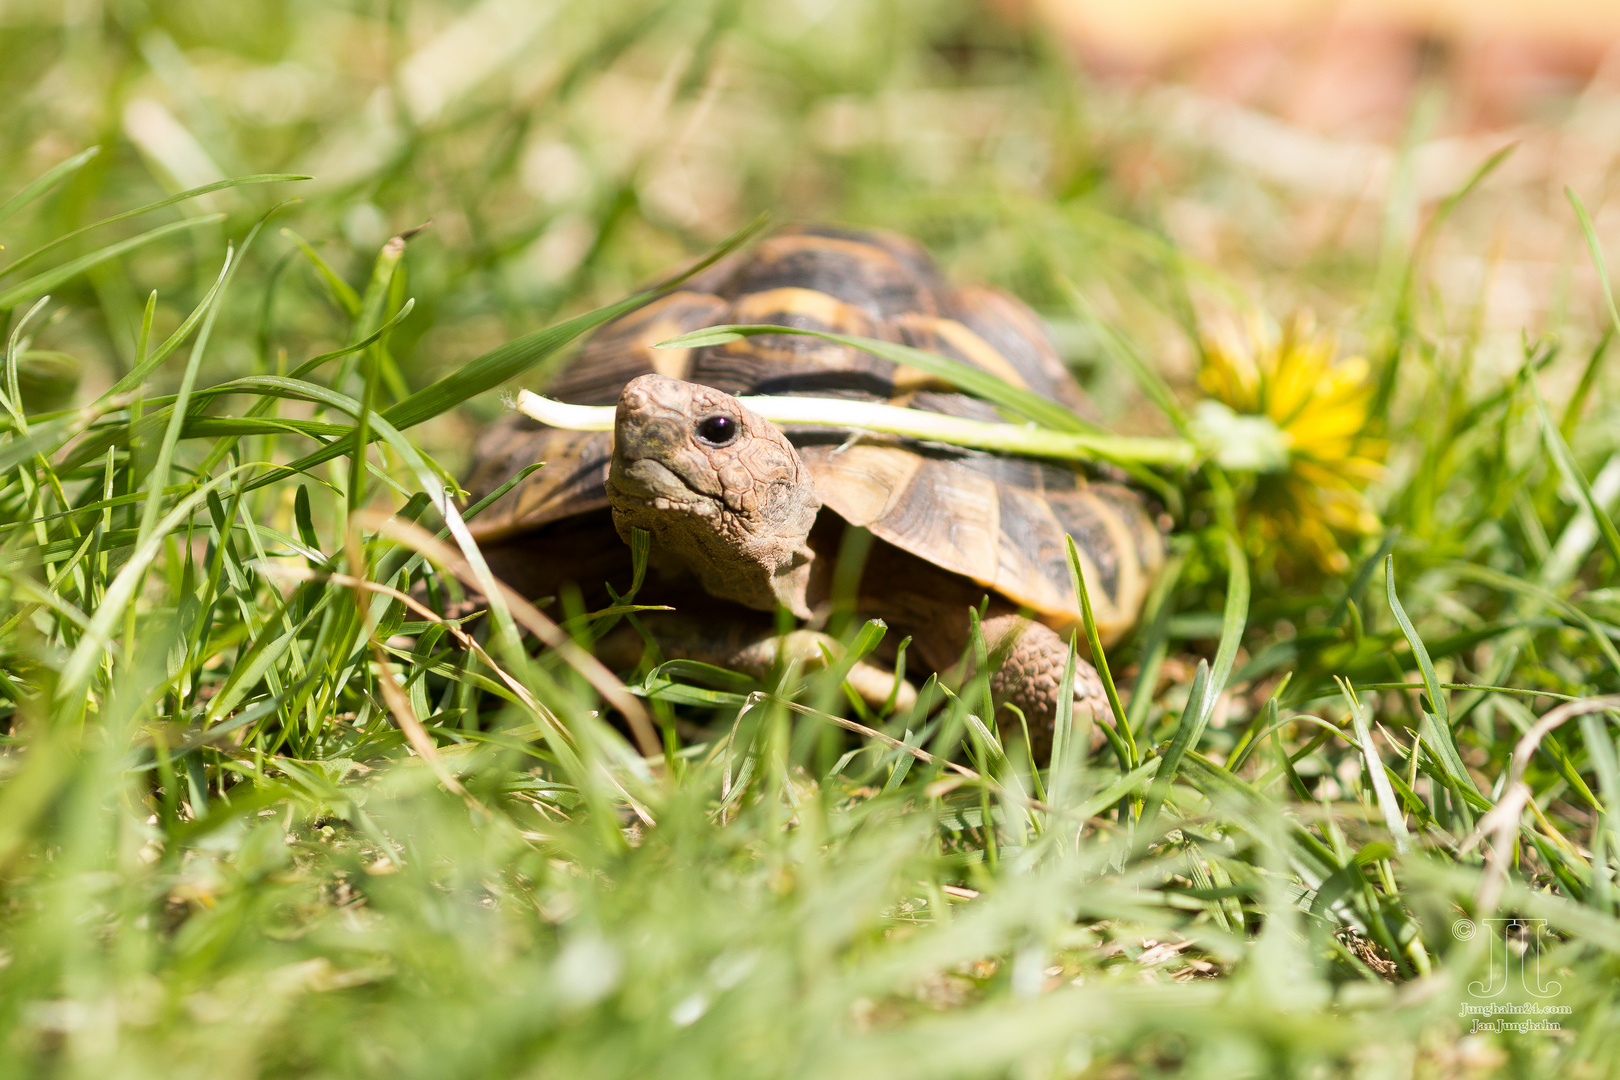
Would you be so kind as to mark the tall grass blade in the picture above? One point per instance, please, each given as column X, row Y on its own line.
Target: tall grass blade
column 1559, row 450
column 193, row 193
column 982, row 384
column 1596, row 250
column 45, row 282
column 159, row 477
column 505, row 362
column 53, row 176
column 1437, row 713
column 1099, row 659
column 1394, row 819
column 1210, row 681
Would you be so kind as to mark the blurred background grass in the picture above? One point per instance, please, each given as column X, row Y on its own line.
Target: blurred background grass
column 295, row 904
column 565, row 153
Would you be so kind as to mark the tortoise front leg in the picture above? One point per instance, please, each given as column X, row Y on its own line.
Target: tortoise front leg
column 745, row 646
column 1030, row 677
column 930, row 605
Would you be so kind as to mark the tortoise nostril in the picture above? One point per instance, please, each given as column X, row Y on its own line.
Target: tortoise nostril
column 717, row 430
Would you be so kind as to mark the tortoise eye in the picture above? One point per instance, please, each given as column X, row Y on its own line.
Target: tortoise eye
column 717, row 430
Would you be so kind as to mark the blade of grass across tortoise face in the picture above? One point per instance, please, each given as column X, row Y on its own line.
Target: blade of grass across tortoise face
column 965, row 377
column 911, row 423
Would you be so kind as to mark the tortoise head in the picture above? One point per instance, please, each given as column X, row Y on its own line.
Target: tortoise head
column 718, row 486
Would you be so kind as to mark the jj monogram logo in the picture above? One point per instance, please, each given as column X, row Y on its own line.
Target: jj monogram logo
column 1513, row 961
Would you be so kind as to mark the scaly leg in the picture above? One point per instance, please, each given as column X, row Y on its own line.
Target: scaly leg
column 1030, row 676
column 931, row 605
column 750, row 647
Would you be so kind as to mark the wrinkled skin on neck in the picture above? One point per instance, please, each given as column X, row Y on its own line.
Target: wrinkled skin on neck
column 735, row 510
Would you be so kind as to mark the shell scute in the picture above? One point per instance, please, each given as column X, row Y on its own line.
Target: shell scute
column 862, row 274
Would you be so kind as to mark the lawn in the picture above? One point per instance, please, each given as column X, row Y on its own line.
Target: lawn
column 269, row 267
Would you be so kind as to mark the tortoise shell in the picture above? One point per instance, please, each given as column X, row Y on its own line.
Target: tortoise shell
column 997, row 520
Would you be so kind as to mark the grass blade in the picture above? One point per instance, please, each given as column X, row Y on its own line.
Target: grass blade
column 47, row 281
column 1210, row 680
column 51, row 178
column 218, row 185
column 1187, row 731
column 503, row 363
column 1439, row 731
column 981, row 384
column 1022, row 439
column 341, row 292
column 159, row 477
column 1393, row 817
column 1571, row 471
column 1099, row 660
column 1146, row 379
column 98, row 637
column 1596, row 250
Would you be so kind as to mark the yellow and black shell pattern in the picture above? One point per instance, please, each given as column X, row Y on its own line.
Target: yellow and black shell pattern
column 995, row 519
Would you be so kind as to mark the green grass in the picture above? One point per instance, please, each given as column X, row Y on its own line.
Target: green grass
column 260, row 817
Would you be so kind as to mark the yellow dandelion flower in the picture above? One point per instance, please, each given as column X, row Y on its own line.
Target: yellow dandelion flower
column 1318, row 403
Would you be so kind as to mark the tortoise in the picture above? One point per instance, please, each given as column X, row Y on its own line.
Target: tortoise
column 747, row 518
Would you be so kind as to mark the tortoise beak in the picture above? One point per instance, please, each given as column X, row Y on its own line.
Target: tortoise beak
column 653, row 454
column 648, row 481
